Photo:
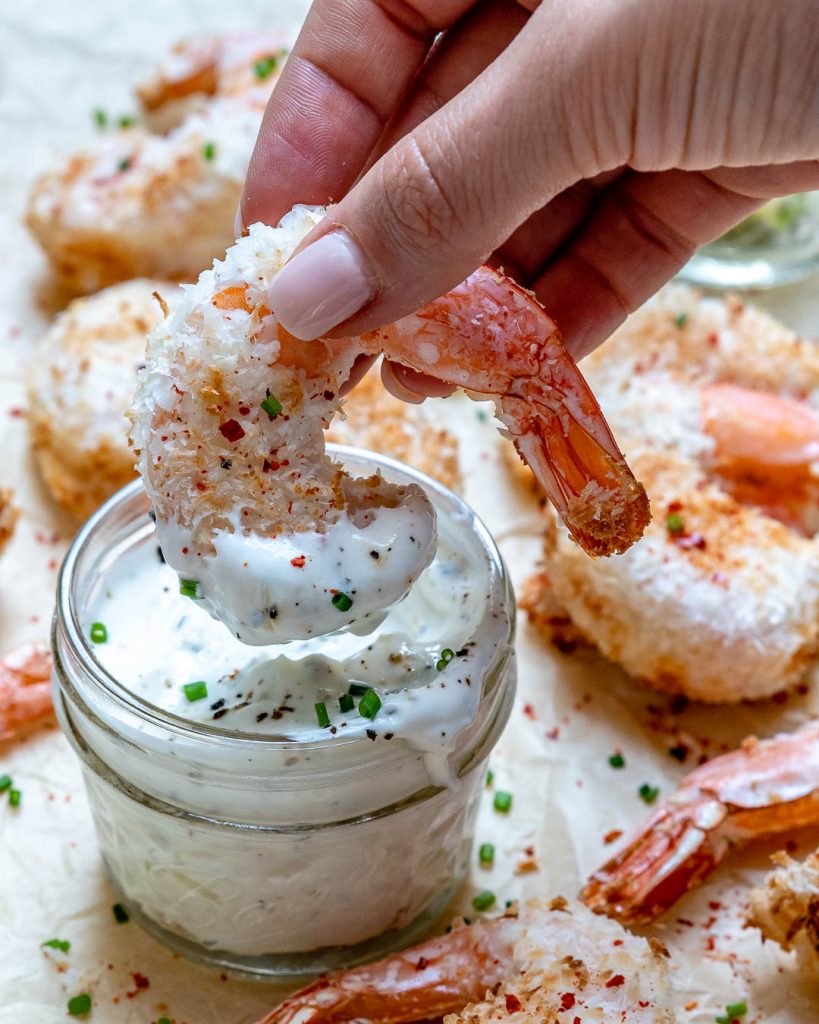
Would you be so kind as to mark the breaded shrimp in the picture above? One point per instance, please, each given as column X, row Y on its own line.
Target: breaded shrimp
column 718, row 408
column 8, row 515
column 785, row 907
column 546, row 962
column 141, row 204
column 764, row 788
column 262, row 526
column 25, row 690
column 80, row 384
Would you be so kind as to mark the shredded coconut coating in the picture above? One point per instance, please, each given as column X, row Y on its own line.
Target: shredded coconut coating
column 785, row 907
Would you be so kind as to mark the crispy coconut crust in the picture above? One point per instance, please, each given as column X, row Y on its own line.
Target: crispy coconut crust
column 727, row 608
column 785, row 907
column 80, row 385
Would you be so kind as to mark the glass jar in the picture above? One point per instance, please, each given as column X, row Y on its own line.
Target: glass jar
column 258, row 853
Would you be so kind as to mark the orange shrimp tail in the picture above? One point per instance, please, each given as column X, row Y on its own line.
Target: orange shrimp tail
column 675, row 850
column 25, row 690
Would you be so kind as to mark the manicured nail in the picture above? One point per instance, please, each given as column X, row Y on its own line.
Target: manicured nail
column 321, row 286
column 238, row 224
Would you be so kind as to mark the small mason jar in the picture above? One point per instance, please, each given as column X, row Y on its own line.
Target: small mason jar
column 256, row 852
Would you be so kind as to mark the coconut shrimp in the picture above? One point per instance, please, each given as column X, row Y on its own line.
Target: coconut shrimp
column 140, row 204
column 547, row 959
column 25, row 690
column 785, row 908
column 764, row 788
column 717, row 406
column 8, row 516
column 270, row 534
column 80, row 384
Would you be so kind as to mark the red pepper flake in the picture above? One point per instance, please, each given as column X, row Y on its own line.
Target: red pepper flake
column 529, row 711
column 617, row 942
column 15, row 412
column 200, row 486
column 567, row 1000
column 613, row 836
column 615, row 981
column 422, row 963
column 643, row 1003
column 715, row 904
column 141, row 982
column 553, row 734
column 232, row 430
column 690, row 541
column 298, row 561
column 244, row 410
column 512, row 1003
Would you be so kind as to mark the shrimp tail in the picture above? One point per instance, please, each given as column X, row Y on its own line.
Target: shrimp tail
column 25, row 690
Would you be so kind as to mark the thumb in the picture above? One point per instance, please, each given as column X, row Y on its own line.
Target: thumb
column 444, row 197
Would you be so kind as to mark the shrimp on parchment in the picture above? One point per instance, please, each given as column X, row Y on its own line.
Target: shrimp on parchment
column 547, row 961
column 717, row 407
column 262, row 526
column 764, row 788
column 142, row 204
column 25, row 690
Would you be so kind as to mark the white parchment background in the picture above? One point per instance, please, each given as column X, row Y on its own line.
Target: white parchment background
column 59, row 61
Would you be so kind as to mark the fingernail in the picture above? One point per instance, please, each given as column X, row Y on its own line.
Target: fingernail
column 238, row 224
column 321, row 286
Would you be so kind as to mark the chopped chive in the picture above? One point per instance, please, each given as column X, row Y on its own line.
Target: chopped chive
column 342, row 601
column 447, row 654
column 482, row 416
column 5, row 783
column 733, row 1012
column 484, row 900
column 346, row 702
column 679, row 752
column 209, row 150
column 681, row 320
column 126, row 121
column 121, row 915
column 490, row 777
column 195, row 691
column 675, row 524
column 189, row 588
column 79, row 1005
column 272, row 406
column 124, row 164
column 486, row 854
column 648, row 793
column 100, row 118
column 266, row 66
column 98, row 633
column 62, row 944
column 357, row 689
column 502, row 801
column 322, row 714
column 164, row 1020
column 617, row 760
column 14, row 797
column 369, row 705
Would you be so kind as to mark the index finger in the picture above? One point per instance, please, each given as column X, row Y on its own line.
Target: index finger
column 348, row 71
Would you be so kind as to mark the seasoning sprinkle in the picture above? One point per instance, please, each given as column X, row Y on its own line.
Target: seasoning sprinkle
column 369, row 705
column 266, row 66
column 98, row 633
column 484, row 900
column 209, row 150
column 79, row 1005
column 121, row 915
column 733, row 1012
column 346, row 703
column 675, row 524
column 14, row 797
column 272, row 406
column 447, row 654
column 486, row 854
column 322, row 714
column 648, row 794
column 502, row 801
column 189, row 588
column 62, row 944
column 5, row 783
column 617, row 760
column 195, row 691
column 342, row 601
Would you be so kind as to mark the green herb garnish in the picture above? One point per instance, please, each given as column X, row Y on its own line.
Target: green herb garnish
column 79, row 1005
column 209, row 150
column 195, row 691
column 681, row 320
column 62, row 944
column 272, row 406
column 14, row 797
column 486, row 854
column 98, row 633
column 490, row 777
column 733, row 1012
column 678, row 752
column 447, row 654
column 369, row 705
column 5, row 783
column 357, row 689
column 126, row 121
column 322, row 714
column 266, row 66
column 502, row 801
column 342, row 601
column 648, row 794
column 617, row 761
column 674, row 524
column 124, row 164
column 346, row 703
column 100, row 118
column 121, row 915
column 189, row 588
column 484, row 900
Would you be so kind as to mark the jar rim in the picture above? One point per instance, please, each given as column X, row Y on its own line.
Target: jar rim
column 67, row 615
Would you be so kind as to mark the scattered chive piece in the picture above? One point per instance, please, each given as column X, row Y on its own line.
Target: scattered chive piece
column 490, row 777
column 648, row 793
column 342, row 601
column 674, row 523
column 272, row 406
column 189, row 588
column 98, row 633
column 14, row 797
column 678, row 752
column 617, row 761
column 486, row 854
column 100, row 118
column 164, row 1020
column 322, row 714
column 346, row 702
column 209, row 150
column 79, row 1005
column 126, row 121
column 195, row 691
column 369, row 705
column 447, row 654
column 357, row 689
column 483, row 418
column 733, row 1012
column 681, row 320
column 5, row 783
column 265, row 66
column 502, row 801
column 484, row 900
column 121, row 915
column 62, row 944
column 124, row 164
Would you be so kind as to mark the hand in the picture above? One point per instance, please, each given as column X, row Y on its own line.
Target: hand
column 588, row 146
